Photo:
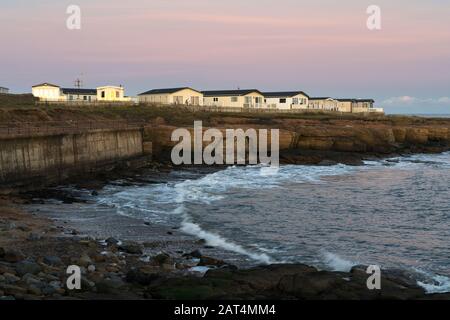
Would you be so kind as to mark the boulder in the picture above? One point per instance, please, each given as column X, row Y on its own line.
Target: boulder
column 111, row 241
column 26, row 266
column 143, row 276
column 13, row 256
column 208, row 261
column 52, row 261
column 131, row 247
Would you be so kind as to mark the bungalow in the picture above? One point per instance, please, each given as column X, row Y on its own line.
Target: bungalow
column 47, row 92
column 324, row 103
column 363, row 105
column 250, row 98
column 184, row 95
column 346, row 105
column 78, row 94
column 286, row 100
column 4, row 90
column 111, row 94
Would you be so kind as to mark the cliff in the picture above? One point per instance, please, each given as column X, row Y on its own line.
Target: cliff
column 304, row 138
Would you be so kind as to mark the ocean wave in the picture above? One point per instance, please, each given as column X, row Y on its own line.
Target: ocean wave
column 337, row 263
column 216, row 240
column 434, row 283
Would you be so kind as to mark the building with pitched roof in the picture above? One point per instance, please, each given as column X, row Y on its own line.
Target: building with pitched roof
column 246, row 98
column 286, row 100
column 170, row 96
column 4, row 90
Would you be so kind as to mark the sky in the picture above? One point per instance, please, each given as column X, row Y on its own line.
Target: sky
column 322, row 47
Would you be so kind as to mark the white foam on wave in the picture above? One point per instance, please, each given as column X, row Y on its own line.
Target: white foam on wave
column 435, row 284
column 216, row 240
column 337, row 263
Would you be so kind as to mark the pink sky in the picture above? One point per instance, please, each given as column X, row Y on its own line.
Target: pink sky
column 321, row 47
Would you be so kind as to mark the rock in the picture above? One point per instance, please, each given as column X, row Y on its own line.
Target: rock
column 111, row 241
column 9, row 226
column 13, row 256
column 160, row 259
column 207, row 261
column 109, row 285
column 131, row 248
column 147, row 223
column 194, row 254
column 25, row 267
column 2, row 252
column 94, row 193
column 10, row 278
column 13, row 290
column 24, row 228
column 34, row 237
column 52, row 261
column 84, row 260
column 32, row 280
column 327, row 163
column 91, row 268
column 143, row 276
column 34, row 290
column 56, row 284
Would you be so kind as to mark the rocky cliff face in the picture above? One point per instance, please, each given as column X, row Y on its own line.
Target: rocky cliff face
column 347, row 141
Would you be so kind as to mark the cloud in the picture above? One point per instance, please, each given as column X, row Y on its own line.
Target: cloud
column 408, row 101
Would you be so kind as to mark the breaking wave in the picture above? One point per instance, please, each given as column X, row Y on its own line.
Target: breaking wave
column 337, row 263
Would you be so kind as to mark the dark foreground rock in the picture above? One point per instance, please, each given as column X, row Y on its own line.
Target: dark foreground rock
column 294, row 281
column 114, row 269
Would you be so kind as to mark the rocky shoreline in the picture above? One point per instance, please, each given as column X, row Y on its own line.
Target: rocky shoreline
column 35, row 254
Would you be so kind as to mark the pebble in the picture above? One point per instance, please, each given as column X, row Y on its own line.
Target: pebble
column 13, row 256
column 52, row 260
column 25, row 267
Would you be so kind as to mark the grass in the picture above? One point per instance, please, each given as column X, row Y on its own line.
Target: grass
column 22, row 108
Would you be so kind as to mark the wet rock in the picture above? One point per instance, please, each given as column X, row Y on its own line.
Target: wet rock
column 34, row 237
column 208, row 261
column 84, row 260
column 109, row 285
column 131, row 247
column 327, row 163
column 13, row 290
column 52, row 261
column 23, row 228
column 25, row 267
column 2, row 252
column 13, row 256
column 161, row 259
column 10, row 278
column 143, row 276
column 194, row 254
column 111, row 241
column 94, row 193
column 34, row 290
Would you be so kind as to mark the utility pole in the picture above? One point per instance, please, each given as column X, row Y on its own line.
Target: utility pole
column 78, row 83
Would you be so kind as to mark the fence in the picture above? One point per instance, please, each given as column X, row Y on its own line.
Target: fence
column 64, row 127
column 267, row 110
column 77, row 103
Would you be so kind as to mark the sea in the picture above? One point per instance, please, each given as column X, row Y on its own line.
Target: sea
column 394, row 213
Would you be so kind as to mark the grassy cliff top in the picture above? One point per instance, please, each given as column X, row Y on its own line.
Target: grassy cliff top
column 22, row 108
